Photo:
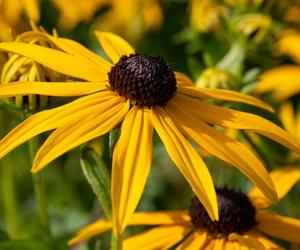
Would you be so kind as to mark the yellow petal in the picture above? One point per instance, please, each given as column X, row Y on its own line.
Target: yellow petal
column 287, row 117
column 98, row 227
column 51, row 119
column 219, row 244
column 160, row 218
column 221, row 94
column 223, row 147
column 278, row 226
column 57, row 60
column 183, row 79
column 248, row 241
column 139, row 218
column 239, row 120
column 114, row 46
column 51, row 88
column 131, row 164
column 187, row 160
column 71, row 47
column 161, row 238
column 195, row 241
column 283, row 178
column 289, row 44
column 283, row 81
column 268, row 244
column 81, row 130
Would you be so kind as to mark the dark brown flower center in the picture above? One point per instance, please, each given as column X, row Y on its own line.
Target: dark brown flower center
column 144, row 80
column 236, row 213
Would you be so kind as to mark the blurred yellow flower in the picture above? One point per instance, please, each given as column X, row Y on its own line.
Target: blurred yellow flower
column 215, row 78
column 244, row 222
column 139, row 16
column 71, row 12
column 283, row 81
column 256, row 26
column 144, row 94
column 204, row 14
column 12, row 13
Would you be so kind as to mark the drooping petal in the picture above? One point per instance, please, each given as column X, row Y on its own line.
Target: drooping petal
column 247, row 241
column 278, row 226
column 114, row 46
column 283, row 178
column 221, row 94
column 239, row 120
column 131, row 164
column 84, row 129
column 223, row 147
column 283, row 81
column 195, row 241
column 139, row 218
column 157, row 238
column 51, row 88
column 289, row 44
column 31, row 8
column 90, row 231
column 57, row 60
column 187, row 160
column 51, row 119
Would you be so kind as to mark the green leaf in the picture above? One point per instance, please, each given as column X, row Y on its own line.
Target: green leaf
column 24, row 245
column 3, row 235
column 97, row 176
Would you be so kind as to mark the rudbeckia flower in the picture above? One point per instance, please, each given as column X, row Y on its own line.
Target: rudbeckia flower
column 283, row 81
column 244, row 222
column 143, row 93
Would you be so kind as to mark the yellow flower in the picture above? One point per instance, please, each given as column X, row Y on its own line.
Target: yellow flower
column 257, row 24
column 71, row 12
column 11, row 13
column 283, row 81
column 204, row 14
column 215, row 78
column 140, row 16
column 244, row 222
column 20, row 68
column 144, row 93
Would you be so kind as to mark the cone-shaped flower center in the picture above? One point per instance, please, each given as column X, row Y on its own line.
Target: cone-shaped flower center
column 144, row 80
column 237, row 214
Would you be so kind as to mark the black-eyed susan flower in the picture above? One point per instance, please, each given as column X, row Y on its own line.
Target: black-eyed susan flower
column 244, row 222
column 283, row 81
column 144, row 93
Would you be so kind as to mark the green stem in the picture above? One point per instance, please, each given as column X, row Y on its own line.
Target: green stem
column 39, row 190
column 116, row 241
column 9, row 197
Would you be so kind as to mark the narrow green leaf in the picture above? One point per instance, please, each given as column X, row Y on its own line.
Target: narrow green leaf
column 97, row 176
column 113, row 137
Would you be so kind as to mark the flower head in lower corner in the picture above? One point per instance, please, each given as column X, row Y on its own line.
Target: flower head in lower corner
column 244, row 222
column 144, row 93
